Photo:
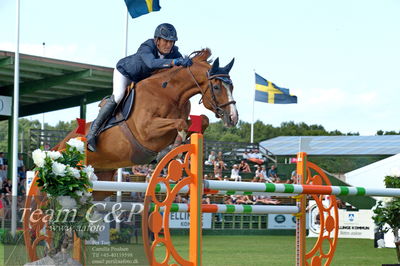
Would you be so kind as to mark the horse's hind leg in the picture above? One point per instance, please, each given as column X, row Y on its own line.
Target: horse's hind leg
column 104, row 176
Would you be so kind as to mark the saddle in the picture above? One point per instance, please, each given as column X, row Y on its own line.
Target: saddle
column 122, row 111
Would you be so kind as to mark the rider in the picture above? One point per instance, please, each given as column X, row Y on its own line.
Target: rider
column 153, row 54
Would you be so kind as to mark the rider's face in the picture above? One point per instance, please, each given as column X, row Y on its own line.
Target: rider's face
column 164, row 46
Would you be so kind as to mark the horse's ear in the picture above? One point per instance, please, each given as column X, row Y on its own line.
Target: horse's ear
column 215, row 66
column 228, row 67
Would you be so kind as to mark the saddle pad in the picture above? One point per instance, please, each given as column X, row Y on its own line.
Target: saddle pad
column 122, row 114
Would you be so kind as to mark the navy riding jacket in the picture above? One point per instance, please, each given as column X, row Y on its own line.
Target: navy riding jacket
column 139, row 66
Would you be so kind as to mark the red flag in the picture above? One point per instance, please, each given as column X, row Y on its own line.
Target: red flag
column 81, row 126
column 196, row 123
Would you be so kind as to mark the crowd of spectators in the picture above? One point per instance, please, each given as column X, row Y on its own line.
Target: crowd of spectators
column 250, row 159
column 6, row 185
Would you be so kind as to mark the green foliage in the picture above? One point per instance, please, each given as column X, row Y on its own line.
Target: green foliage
column 387, row 214
column 121, row 236
column 241, row 133
column 8, row 239
column 25, row 125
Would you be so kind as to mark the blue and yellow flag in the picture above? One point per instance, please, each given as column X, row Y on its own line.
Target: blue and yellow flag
column 137, row 8
column 268, row 92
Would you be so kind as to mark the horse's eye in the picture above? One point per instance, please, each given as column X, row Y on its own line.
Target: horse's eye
column 216, row 87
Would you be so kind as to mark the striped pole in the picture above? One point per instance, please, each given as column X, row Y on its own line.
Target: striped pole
column 137, row 208
column 302, row 189
column 161, row 188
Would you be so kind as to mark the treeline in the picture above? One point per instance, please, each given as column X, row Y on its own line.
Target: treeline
column 241, row 133
column 24, row 125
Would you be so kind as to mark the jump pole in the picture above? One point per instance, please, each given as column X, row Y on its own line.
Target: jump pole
column 301, row 189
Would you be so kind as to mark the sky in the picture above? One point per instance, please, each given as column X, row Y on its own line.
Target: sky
column 340, row 58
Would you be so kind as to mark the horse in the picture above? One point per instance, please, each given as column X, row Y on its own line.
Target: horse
column 161, row 111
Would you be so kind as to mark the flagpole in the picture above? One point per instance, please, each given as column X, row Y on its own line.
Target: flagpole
column 119, row 173
column 252, row 116
column 14, row 175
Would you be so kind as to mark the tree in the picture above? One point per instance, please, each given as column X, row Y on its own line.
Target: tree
column 387, row 214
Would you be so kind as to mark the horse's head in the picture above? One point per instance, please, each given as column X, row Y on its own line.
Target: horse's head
column 217, row 94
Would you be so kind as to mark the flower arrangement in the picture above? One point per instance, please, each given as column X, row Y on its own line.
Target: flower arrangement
column 68, row 185
column 387, row 212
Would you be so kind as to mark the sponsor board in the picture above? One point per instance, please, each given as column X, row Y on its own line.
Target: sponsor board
column 181, row 220
column 5, row 105
column 352, row 224
column 282, row 221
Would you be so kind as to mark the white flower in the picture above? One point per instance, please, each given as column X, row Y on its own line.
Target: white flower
column 79, row 193
column 395, row 172
column 386, row 201
column 54, row 155
column 89, row 170
column 58, row 168
column 75, row 172
column 38, row 157
column 67, row 202
column 78, row 144
column 87, row 194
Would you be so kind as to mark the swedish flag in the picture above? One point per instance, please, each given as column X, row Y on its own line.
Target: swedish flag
column 142, row 7
column 268, row 92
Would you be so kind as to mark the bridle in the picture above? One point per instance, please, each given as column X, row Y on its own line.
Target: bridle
column 219, row 112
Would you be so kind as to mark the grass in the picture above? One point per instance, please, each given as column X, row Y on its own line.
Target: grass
column 269, row 250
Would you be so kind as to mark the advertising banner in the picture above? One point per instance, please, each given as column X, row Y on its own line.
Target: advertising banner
column 352, row 224
column 181, row 220
column 282, row 221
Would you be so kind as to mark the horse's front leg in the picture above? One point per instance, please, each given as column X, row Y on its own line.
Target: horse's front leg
column 204, row 125
column 159, row 127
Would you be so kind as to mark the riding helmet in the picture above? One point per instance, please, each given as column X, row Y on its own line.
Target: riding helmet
column 166, row 31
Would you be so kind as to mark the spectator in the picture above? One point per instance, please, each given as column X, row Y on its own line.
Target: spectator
column 273, row 175
column 219, row 165
column 139, row 170
column 3, row 168
column 255, row 157
column 21, row 166
column 21, row 187
column 264, row 176
column 205, row 199
column 264, row 200
column 220, row 156
column 1, row 207
column 245, row 155
column 243, row 199
column 235, row 173
column 211, row 158
column 6, row 191
column 150, row 171
column 293, row 178
column 244, row 167
column 258, row 176
column 47, row 146
column 180, row 199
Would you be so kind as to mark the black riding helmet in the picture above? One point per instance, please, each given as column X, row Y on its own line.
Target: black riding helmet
column 166, row 31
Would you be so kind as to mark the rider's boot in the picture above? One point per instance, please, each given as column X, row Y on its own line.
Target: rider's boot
column 103, row 115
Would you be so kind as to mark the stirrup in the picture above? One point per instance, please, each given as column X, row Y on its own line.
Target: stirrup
column 90, row 145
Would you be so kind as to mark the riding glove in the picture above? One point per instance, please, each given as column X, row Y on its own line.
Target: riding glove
column 185, row 62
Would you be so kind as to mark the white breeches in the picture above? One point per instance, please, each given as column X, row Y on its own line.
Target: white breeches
column 120, row 82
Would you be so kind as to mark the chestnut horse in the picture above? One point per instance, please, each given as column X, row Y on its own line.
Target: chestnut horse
column 161, row 110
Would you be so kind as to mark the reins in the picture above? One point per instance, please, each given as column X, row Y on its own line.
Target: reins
column 219, row 112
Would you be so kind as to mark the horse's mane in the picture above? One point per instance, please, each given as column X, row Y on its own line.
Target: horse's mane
column 199, row 57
